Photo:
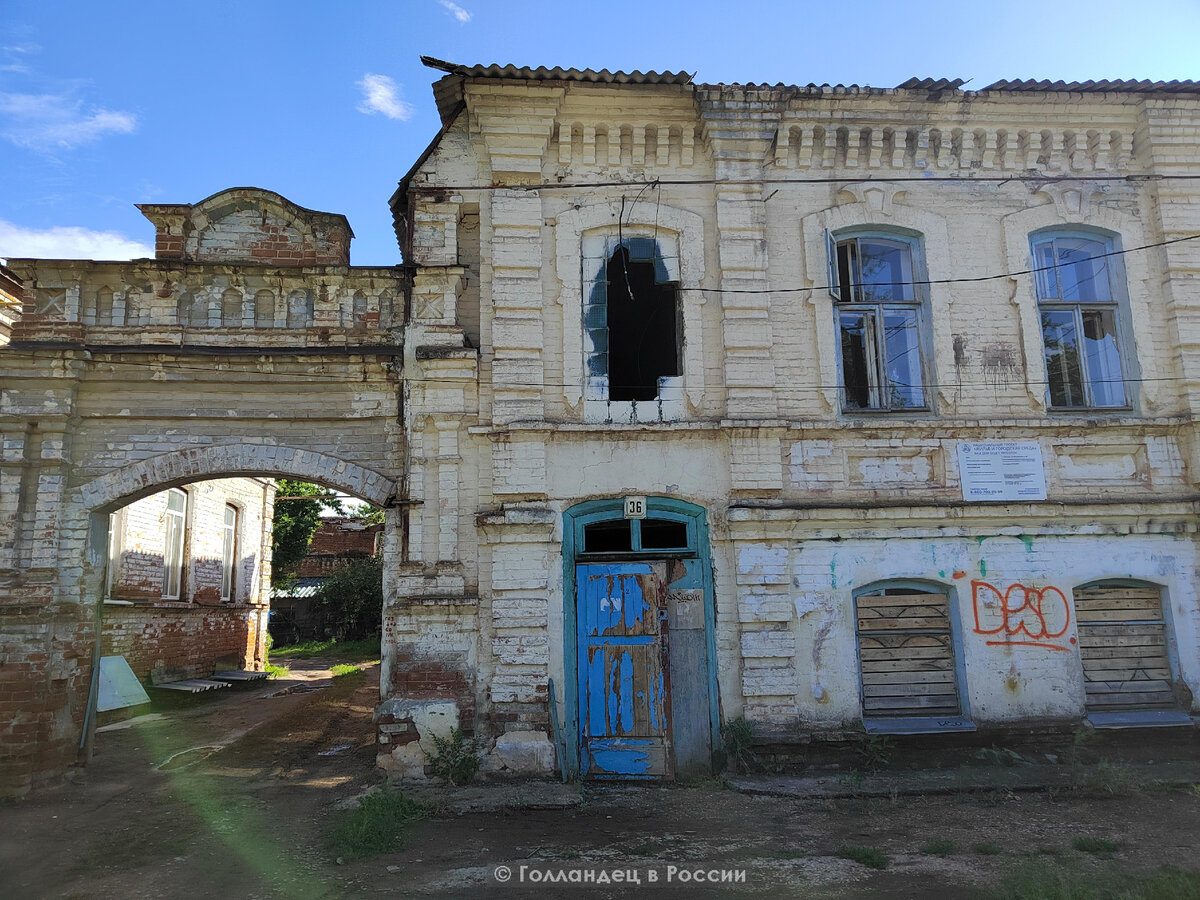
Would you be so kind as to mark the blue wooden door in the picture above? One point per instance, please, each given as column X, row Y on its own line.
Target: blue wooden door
column 624, row 694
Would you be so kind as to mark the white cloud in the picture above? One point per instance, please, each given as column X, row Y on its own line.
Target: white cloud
column 382, row 95
column 65, row 242
column 455, row 10
column 57, row 121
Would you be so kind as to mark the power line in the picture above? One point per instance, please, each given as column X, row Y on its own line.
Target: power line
column 793, row 387
column 843, row 179
column 975, row 279
column 348, row 352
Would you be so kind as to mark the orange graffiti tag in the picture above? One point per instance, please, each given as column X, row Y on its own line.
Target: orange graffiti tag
column 1021, row 615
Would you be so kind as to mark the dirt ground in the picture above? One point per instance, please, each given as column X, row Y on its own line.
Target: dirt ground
column 233, row 796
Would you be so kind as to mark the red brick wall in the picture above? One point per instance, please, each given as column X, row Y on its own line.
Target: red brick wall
column 178, row 637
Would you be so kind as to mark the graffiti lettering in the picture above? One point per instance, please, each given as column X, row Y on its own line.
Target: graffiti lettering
column 1022, row 615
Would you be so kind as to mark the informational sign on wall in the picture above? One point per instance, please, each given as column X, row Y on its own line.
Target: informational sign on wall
column 1001, row 470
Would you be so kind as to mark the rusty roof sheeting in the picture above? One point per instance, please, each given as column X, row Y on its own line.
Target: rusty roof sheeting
column 541, row 73
column 1120, row 85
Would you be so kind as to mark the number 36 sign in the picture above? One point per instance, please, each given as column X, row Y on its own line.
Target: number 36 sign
column 635, row 507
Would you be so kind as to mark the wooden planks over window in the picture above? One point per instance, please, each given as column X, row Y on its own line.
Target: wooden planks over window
column 1123, row 645
column 906, row 654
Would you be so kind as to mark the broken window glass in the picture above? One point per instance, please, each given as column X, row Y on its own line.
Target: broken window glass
column 631, row 321
column 1078, row 313
column 879, row 323
column 612, row 536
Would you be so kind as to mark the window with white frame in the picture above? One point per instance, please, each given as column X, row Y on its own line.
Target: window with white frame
column 632, row 325
column 175, row 529
column 880, row 311
column 1079, row 289
column 229, row 553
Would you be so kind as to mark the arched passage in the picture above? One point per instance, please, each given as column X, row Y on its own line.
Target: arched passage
column 84, row 545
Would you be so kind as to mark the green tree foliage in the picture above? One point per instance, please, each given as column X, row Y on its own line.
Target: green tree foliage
column 351, row 602
column 297, row 516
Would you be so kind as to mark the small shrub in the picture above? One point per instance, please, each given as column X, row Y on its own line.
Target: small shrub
column 376, row 826
column 875, row 752
column 737, row 735
column 939, row 848
column 867, row 856
column 987, row 849
column 455, row 761
column 1099, row 846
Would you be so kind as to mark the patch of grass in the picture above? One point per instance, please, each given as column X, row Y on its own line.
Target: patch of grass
column 365, row 650
column 867, row 856
column 1108, row 780
column 1099, row 846
column 648, row 849
column 1043, row 881
column 987, row 849
column 341, row 670
column 377, row 826
column 939, row 848
column 274, row 671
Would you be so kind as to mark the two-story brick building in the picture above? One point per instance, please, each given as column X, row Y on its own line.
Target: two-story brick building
column 819, row 406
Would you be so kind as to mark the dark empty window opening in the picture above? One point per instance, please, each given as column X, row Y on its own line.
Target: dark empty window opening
column 642, row 321
column 613, row 536
column 663, row 534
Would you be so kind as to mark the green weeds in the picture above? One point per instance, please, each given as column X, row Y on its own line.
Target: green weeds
column 867, row 856
column 377, row 826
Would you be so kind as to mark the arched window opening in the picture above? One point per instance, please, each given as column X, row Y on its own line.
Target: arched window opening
column 906, row 652
column 231, row 308
column 1123, row 647
column 879, row 314
column 175, row 532
column 229, row 550
column 1079, row 290
column 264, row 309
column 632, row 321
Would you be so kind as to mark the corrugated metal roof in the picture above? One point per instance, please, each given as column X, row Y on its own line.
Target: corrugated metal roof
column 1095, row 87
column 541, row 73
column 931, row 84
column 302, row 589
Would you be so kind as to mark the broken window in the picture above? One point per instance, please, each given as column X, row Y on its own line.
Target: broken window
column 175, row 528
column 1077, row 306
column 632, row 324
column 879, row 315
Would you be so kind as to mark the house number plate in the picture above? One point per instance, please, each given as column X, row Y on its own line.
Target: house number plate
column 635, row 507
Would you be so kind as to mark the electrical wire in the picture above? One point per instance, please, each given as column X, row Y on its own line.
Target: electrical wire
column 791, row 387
column 843, row 179
column 183, row 349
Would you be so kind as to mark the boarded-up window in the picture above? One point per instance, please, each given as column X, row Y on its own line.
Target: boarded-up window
column 906, row 654
column 1123, row 645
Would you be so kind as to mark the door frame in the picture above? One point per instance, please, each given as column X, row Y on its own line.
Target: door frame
column 589, row 512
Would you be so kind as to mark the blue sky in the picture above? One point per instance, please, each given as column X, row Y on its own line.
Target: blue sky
column 103, row 105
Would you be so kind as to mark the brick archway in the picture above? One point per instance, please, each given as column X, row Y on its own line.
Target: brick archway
column 157, row 473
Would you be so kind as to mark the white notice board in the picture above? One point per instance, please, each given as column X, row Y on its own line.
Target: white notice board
column 1001, row 470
